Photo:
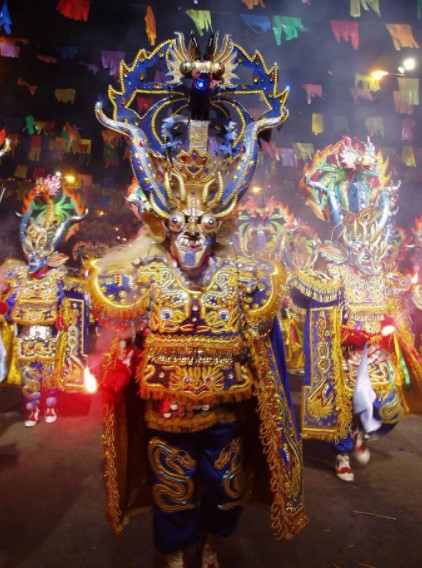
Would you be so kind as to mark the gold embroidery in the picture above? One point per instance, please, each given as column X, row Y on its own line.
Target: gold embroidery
column 174, row 490
column 278, row 437
column 231, row 459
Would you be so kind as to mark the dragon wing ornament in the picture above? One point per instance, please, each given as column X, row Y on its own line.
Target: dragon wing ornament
column 48, row 213
column 348, row 185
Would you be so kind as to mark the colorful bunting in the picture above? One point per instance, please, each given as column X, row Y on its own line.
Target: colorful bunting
column 368, row 82
column 355, row 6
column 8, row 48
column 271, row 149
column 358, row 94
column 65, row 95
column 46, row 58
column 150, row 26
column 317, row 123
column 5, row 19
column 201, row 19
column 258, row 24
column 251, row 3
column 402, row 35
column 288, row 158
column 400, row 105
column 347, row 30
column 409, row 89
column 111, row 60
column 90, row 66
column 407, row 128
column 71, row 134
column 408, row 156
column 30, row 125
column 304, row 150
column 312, row 91
column 375, row 126
column 74, row 9
column 68, row 52
column 34, row 152
column 288, row 26
column 21, row 171
column 46, row 128
column 31, row 88
column 340, row 123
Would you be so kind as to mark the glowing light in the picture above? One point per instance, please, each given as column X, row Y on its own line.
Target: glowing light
column 90, row 382
column 70, row 178
column 415, row 278
column 379, row 74
column 58, row 174
column 201, row 84
column 400, row 70
column 388, row 330
column 256, row 189
column 409, row 64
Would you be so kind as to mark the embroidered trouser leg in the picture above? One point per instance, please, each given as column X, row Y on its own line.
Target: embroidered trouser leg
column 177, row 460
column 35, row 376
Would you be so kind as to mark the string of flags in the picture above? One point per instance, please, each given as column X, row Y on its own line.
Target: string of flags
column 256, row 18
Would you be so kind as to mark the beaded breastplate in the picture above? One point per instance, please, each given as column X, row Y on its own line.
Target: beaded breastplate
column 36, row 299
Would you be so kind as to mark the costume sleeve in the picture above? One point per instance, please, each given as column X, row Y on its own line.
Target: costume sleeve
column 261, row 285
column 278, row 434
column 72, row 340
column 119, row 296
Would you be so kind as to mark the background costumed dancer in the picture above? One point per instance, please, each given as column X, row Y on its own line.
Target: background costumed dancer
column 267, row 228
column 44, row 305
column 209, row 373
column 362, row 372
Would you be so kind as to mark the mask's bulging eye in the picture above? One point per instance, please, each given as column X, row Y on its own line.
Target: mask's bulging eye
column 209, row 223
column 176, row 221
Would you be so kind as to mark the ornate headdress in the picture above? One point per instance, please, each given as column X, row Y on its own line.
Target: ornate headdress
column 347, row 184
column 48, row 212
column 205, row 161
column 269, row 228
column 262, row 223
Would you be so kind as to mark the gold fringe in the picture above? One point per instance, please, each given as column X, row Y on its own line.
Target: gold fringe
column 311, row 285
column 287, row 519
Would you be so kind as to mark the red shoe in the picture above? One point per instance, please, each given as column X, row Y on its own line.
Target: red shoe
column 343, row 469
column 33, row 418
column 361, row 452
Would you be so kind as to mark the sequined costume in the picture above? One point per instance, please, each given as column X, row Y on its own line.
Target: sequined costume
column 361, row 367
column 415, row 249
column 203, row 315
column 44, row 304
column 267, row 228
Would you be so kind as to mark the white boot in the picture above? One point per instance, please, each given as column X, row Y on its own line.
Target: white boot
column 343, row 469
column 33, row 416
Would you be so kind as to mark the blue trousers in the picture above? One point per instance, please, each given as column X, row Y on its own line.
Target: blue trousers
column 198, row 483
